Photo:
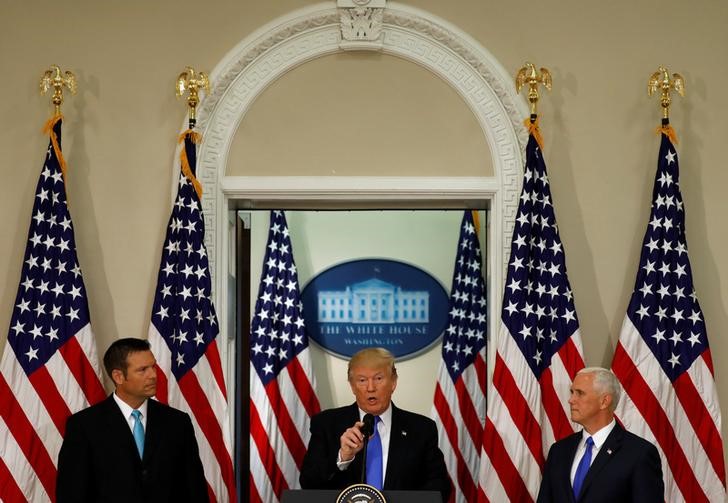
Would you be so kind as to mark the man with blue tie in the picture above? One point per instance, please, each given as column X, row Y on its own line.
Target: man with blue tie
column 603, row 462
column 129, row 448
column 402, row 452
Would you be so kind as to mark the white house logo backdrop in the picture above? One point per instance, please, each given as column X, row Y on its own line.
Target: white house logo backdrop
column 375, row 302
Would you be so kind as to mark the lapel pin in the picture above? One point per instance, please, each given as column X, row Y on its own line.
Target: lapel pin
column 609, row 451
column 404, row 433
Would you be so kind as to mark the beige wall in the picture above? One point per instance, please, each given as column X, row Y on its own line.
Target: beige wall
column 598, row 123
column 359, row 112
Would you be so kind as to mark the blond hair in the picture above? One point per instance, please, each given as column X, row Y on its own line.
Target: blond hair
column 372, row 358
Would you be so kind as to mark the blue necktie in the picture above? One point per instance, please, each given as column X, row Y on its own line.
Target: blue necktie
column 374, row 458
column 138, row 432
column 583, row 467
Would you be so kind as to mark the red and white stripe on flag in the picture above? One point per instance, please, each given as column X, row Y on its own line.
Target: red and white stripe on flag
column 538, row 350
column 49, row 368
column 663, row 357
column 682, row 418
column 184, row 329
column 280, row 414
column 525, row 416
column 282, row 384
column 33, row 413
column 459, row 403
column 201, row 394
column 459, row 409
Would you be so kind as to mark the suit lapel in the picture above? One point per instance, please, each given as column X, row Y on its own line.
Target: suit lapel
column 611, row 445
column 152, row 433
column 565, row 468
column 119, row 428
column 352, row 414
column 397, row 447
column 349, row 416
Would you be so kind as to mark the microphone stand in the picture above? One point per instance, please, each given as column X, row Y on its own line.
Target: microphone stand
column 367, row 430
column 364, row 460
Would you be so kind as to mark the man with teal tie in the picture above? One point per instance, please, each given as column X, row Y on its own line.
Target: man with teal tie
column 402, row 452
column 130, row 448
column 603, row 463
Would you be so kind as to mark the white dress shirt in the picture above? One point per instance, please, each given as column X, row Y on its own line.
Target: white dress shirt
column 599, row 438
column 384, row 427
column 126, row 410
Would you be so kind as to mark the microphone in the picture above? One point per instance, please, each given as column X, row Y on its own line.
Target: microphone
column 367, row 430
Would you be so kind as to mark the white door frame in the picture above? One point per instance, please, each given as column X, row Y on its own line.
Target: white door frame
column 318, row 30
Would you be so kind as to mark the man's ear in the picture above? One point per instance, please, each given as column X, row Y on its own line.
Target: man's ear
column 606, row 401
column 117, row 376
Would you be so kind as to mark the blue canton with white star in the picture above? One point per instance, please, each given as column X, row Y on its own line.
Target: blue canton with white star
column 277, row 332
column 464, row 336
column 538, row 306
column 183, row 311
column 664, row 307
column 50, row 306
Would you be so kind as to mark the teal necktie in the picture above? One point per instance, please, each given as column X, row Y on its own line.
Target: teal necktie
column 138, row 432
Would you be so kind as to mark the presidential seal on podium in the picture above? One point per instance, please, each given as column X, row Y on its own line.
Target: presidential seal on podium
column 361, row 493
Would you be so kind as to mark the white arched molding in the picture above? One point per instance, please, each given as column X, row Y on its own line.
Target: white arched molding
column 406, row 32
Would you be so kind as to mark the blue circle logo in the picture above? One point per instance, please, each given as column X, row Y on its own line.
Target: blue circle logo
column 374, row 302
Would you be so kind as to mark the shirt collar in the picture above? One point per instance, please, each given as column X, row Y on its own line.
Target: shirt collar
column 126, row 409
column 385, row 417
column 600, row 436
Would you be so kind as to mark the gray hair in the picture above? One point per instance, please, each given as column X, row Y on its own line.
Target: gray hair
column 605, row 382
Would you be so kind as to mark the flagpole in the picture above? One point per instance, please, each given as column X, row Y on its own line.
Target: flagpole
column 184, row 328
column 663, row 358
column 192, row 82
column 538, row 345
column 49, row 367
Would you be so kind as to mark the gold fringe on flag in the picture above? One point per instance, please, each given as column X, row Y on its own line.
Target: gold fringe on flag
column 196, row 139
column 476, row 220
column 668, row 131
column 48, row 129
column 532, row 126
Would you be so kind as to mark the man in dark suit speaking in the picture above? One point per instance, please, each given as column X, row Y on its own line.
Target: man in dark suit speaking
column 129, row 448
column 402, row 452
column 603, row 462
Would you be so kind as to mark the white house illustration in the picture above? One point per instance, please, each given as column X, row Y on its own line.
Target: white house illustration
column 373, row 301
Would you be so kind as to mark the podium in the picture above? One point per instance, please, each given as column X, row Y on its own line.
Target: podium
column 329, row 496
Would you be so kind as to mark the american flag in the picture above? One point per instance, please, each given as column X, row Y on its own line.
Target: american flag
column 663, row 360
column 459, row 404
column 282, row 384
column 183, row 333
column 538, row 350
column 49, row 367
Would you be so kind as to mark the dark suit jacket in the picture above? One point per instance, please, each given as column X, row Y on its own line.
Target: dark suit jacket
column 414, row 462
column 627, row 468
column 99, row 462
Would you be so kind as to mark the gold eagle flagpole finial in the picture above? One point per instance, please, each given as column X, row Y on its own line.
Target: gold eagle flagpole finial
column 53, row 78
column 529, row 76
column 192, row 82
column 662, row 81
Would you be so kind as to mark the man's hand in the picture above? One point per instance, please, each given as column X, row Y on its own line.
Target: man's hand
column 352, row 441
